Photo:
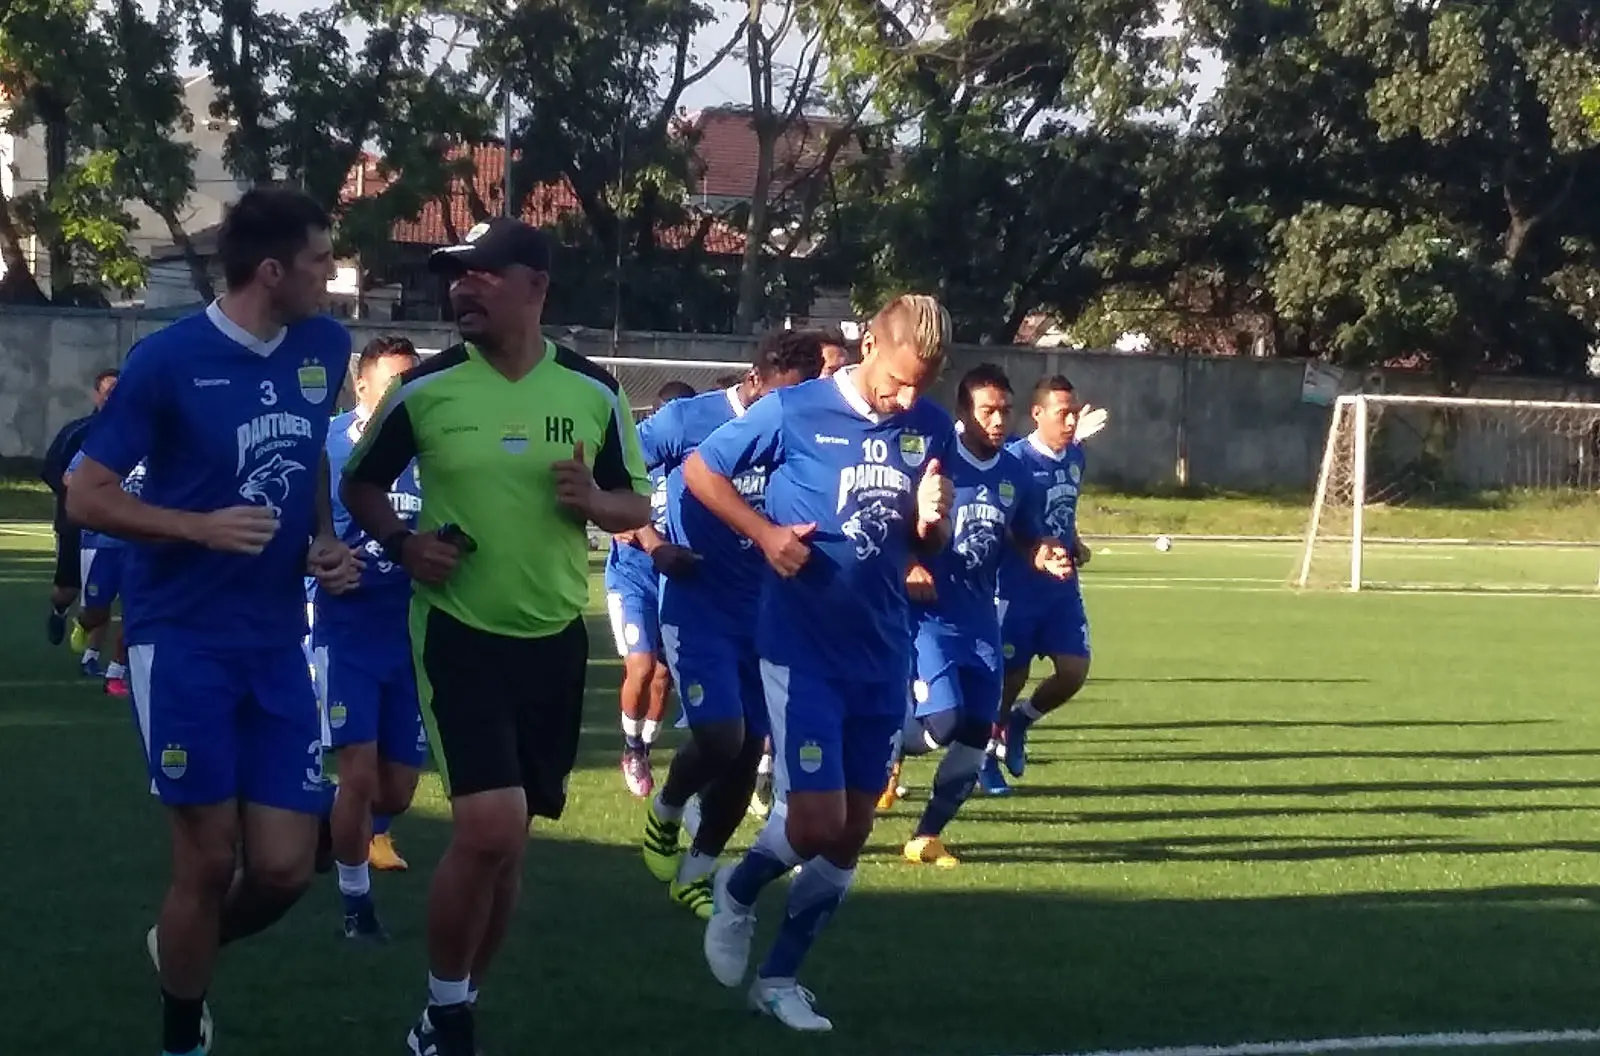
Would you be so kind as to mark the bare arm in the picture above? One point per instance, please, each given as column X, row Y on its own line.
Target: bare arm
column 931, row 538
column 619, row 511
column 719, row 496
column 370, row 508
column 95, row 500
column 324, row 496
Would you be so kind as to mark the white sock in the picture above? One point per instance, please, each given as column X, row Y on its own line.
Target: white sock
column 664, row 812
column 765, row 766
column 1032, row 713
column 116, row 670
column 695, row 865
column 631, row 727
column 90, row 655
column 649, row 730
column 472, row 993
column 354, row 879
column 448, row 991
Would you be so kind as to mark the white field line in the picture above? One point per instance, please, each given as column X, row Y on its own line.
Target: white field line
column 1381, row 1043
column 1242, row 586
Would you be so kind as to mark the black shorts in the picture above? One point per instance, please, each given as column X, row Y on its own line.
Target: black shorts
column 503, row 712
column 69, row 575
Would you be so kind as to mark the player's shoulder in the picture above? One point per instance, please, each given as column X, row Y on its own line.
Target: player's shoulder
column 179, row 338
column 322, row 327
column 577, row 363
column 929, row 418
column 431, row 369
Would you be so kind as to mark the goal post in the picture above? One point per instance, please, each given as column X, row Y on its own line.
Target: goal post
column 642, row 378
column 1447, row 493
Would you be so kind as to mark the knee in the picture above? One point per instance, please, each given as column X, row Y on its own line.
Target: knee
column 1072, row 672
column 816, row 823
column 492, row 829
column 940, row 729
column 639, row 668
column 358, row 781
column 281, row 881
column 394, row 794
column 721, row 743
column 207, row 869
column 972, row 732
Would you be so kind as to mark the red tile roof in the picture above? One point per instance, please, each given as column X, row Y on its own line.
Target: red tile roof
column 725, row 151
column 546, row 205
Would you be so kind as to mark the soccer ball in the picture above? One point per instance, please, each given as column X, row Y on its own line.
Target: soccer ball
column 1163, row 543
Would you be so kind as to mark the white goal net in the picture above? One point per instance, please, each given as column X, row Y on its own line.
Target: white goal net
column 642, row 379
column 1439, row 493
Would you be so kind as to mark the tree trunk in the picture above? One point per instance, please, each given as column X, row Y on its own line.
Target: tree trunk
column 56, row 146
column 197, row 265
column 752, row 284
column 18, row 286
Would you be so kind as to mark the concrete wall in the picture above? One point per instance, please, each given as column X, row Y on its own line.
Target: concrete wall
column 1240, row 423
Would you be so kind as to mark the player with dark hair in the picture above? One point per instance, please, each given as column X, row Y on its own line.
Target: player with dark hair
column 956, row 695
column 1043, row 616
column 633, row 601
column 229, row 410
column 835, row 349
column 709, row 599
column 68, row 578
column 519, row 445
column 855, row 487
column 362, row 651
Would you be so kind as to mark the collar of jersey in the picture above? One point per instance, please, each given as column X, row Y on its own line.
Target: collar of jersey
column 973, row 460
column 735, row 402
column 1044, row 449
column 239, row 335
column 853, row 398
column 474, row 352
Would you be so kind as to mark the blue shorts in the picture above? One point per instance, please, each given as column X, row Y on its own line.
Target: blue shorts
column 1049, row 623
column 951, row 677
column 831, row 734
column 102, row 576
column 370, row 696
column 718, row 677
column 635, row 620
column 227, row 723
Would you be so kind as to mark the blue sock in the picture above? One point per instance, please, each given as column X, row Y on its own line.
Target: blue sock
column 355, row 904
column 380, row 824
column 813, row 897
column 953, row 783
column 766, row 860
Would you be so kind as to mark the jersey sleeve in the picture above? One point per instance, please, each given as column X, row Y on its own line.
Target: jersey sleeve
column 619, row 465
column 77, row 460
column 389, row 443
column 661, row 439
column 1026, row 524
column 755, row 438
column 124, row 431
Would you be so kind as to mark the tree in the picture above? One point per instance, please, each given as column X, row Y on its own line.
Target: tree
column 1032, row 167
column 1419, row 168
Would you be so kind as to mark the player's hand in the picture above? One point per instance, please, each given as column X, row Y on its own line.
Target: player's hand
column 336, row 567
column 574, row 482
column 1091, row 420
column 785, row 547
column 919, row 585
column 429, row 559
column 1053, row 559
column 935, row 494
column 625, row 538
column 1081, row 553
column 674, row 561
column 237, row 529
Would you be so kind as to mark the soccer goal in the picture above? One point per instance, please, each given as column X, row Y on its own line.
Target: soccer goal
column 643, row 378
column 1440, row 493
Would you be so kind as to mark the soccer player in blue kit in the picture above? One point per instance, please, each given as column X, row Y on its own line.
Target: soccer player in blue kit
column 633, row 602
column 229, row 409
column 362, row 649
column 709, row 595
column 1040, row 615
column 855, row 487
column 101, row 557
column 959, row 674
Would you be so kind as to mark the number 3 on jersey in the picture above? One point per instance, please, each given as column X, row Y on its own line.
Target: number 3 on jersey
column 269, row 395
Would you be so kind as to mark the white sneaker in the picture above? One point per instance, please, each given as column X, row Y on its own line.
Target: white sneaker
column 729, row 933
column 153, row 948
column 789, row 1003
column 691, row 817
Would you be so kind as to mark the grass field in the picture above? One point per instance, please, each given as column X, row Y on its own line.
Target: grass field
column 1270, row 816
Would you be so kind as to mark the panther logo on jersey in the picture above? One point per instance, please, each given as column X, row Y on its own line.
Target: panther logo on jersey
column 979, row 545
column 268, row 484
column 869, row 526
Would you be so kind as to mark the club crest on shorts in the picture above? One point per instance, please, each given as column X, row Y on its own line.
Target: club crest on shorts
column 337, row 715
column 810, row 757
column 514, row 438
column 174, row 762
column 913, row 449
column 313, row 378
column 695, row 694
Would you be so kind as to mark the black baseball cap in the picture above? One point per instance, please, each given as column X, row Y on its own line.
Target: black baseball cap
column 494, row 246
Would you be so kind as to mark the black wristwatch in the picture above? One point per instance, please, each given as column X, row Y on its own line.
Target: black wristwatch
column 394, row 543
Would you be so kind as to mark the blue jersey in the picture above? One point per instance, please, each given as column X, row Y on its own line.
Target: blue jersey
column 133, row 484
column 724, row 590
column 1053, row 507
column 223, row 419
column 854, row 473
column 992, row 504
column 379, row 603
column 628, row 568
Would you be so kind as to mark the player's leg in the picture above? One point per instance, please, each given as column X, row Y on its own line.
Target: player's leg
column 1018, row 631
column 184, row 701
column 469, row 684
column 870, row 736
column 66, row 581
column 1064, row 638
column 725, row 801
column 402, row 749
column 965, row 731
column 108, row 573
column 94, row 613
column 634, row 629
column 761, row 798
column 352, row 695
